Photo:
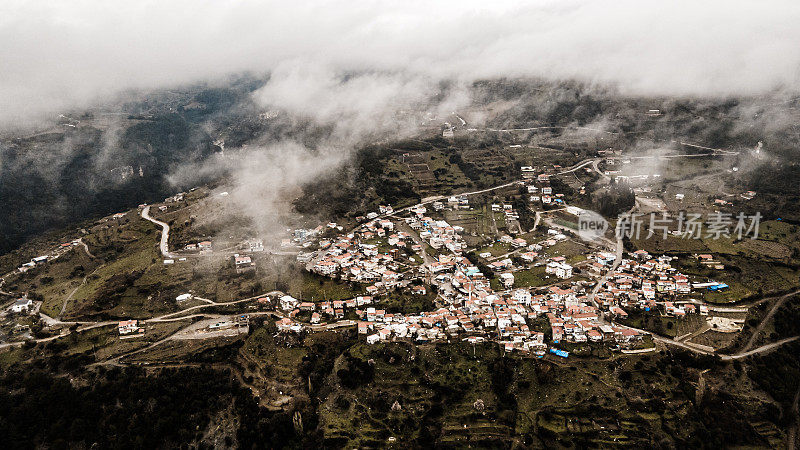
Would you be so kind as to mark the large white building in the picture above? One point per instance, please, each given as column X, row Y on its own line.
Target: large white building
column 559, row 269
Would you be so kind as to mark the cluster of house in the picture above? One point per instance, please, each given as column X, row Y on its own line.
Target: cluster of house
column 22, row 305
column 558, row 266
column 356, row 257
column 203, row 247
column 501, row 317
column 382, row 210
column 304, row 238
column 175, row 198
column 475, row 312
column 242, row 263
column 454, row 202
column 539, row 188
column 335, row 309
column 54, row 254
column 709, row 261
column 749, row 195
column 645, row 282
column 507, row 209
column 472, row 310
column 254, row 245
column 555, row 266
column 574, row 320
column 437, row 233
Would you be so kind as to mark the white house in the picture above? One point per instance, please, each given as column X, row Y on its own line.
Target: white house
column 256, row 245
column 522, row 296
column 23, row 304
column 507, row 279
column 559, row 269
column 288, row 302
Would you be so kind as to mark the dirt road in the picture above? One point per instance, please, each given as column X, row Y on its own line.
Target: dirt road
column 757, row 332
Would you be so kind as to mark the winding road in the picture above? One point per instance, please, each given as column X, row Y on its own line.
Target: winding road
column 757, row 332
column 164, row 232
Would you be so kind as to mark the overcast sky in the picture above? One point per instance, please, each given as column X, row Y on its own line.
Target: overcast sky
column 60, row 54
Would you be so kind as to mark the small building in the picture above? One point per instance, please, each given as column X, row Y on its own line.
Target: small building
column 288, row 302
column 256, row 245
column 22, row 305
column 129, row 327
column 243, row 263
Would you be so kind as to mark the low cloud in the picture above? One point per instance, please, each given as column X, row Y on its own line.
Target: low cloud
column 59, row 55
column 261, row 180
column 365, row 71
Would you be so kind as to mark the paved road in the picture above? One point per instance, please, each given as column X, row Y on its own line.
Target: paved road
column 21, row 343
column 164, row 232
column 427, row 259
column 506, row 130
column 604, row 278
column 581, row 164
column 170, row 317
column 429, row 200
column 600, row 172
column 762, row 349
column 208, row 304
column 115, row 361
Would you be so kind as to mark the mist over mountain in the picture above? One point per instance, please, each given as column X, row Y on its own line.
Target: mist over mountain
column 131, row 102
column 374, row 224
column 60, row 55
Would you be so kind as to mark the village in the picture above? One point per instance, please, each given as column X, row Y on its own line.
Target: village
column 531, row 291
column 474, row 306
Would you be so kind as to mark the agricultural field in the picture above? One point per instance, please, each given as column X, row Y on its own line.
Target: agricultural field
column 746, row 277
column 497, row 249
column 534, row 277
column 430, row 171
column 61, row 278
column 480, row 222
column 572, row 250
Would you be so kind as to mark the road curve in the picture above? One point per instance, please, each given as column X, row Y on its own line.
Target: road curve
column 743, row 354
column 757, row 332
column 164, row 232
column 762, row 349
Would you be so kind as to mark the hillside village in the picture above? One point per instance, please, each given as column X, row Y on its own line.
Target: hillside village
column 400, row 225
column 433, row 255
column 478, row 295
column 508, row 287
column 502, row 269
